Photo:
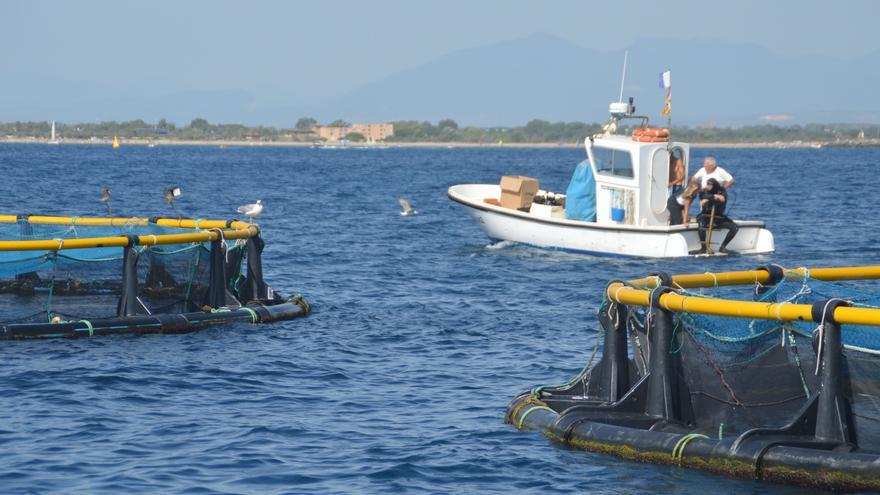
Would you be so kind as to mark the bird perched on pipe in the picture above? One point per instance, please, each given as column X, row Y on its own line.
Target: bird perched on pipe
column 252, row 210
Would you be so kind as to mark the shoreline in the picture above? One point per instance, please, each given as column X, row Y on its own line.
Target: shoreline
column 868, row 143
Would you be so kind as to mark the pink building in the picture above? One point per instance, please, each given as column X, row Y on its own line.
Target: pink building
column 372, row 132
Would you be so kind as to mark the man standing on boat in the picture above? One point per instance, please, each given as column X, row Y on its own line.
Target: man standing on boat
column 713, row 202
column 711, row 170
column 675, row 186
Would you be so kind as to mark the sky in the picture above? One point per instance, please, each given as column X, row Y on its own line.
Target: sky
column 296, row 53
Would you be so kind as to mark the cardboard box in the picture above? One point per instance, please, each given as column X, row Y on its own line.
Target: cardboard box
column 518, row 191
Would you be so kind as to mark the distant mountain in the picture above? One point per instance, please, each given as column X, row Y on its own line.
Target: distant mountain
column 504, row 84
column 546, row 77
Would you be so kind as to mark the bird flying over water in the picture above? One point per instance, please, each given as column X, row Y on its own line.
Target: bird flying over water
column 252, row 210
column 408, row 210
column 171, row 194
column 105, row 198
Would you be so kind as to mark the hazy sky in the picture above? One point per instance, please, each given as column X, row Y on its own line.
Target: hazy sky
column 300, row 52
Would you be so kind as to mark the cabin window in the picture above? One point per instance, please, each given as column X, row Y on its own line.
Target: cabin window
column 613, row 162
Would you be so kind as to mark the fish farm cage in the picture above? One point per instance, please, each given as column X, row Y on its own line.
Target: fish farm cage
column 777, row 382
column 85, row 276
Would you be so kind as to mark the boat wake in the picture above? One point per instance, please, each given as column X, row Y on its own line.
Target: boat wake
column 500, row 245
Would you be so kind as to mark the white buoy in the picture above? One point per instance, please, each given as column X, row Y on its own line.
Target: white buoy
column 407, row 209
column 252, row 210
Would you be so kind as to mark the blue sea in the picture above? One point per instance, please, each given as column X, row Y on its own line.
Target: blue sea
column 422, row 329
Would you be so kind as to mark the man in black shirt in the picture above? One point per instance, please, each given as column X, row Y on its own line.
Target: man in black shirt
column 713, row 196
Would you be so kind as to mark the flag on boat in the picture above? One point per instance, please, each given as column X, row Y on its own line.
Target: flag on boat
column 666, row 79
column 667, row 103
column 666, row 83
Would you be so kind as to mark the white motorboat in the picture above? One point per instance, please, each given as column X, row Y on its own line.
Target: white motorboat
column 631, row 218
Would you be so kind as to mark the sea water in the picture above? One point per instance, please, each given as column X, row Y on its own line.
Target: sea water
column 421, row 332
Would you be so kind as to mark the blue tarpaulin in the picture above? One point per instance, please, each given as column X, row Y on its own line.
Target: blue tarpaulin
column 580, row 198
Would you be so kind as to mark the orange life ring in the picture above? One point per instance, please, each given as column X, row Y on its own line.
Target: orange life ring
column 651, row 131
column 650, row 139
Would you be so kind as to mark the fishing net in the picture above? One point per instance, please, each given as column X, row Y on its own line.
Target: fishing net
column 48, row 285
column 744, row 374
column 784, row 387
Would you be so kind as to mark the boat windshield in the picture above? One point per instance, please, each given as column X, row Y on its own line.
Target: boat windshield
column 613, row 162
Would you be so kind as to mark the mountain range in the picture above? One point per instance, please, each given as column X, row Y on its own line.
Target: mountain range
column 540, row 76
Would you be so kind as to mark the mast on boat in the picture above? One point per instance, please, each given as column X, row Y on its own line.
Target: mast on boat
column 52, row 138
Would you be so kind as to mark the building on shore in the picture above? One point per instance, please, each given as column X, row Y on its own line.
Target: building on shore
column 371, row 132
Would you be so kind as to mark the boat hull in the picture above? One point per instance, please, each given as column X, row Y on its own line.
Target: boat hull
column 596, row 238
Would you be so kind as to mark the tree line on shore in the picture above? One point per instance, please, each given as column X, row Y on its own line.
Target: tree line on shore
column 444, row 131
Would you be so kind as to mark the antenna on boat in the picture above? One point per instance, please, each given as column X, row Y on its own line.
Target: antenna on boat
column 623, row 77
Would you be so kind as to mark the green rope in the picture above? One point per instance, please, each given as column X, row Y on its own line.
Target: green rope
column 672, row 340
column 192, row 274
column 89, row 325
column 522, row 417
column 797, row 360
column 537, row 391
column 678, row 450
column 51, row 286
column 254, row 317
column 163, row 252
column 307, row 308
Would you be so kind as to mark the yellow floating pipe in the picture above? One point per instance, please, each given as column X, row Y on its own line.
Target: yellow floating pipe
column 120, row 221
column 842, row 273
column 708, row 279
column 86, row 221
column 201, row 224
column 739, row 309
column 122, row 241
column 689, row 281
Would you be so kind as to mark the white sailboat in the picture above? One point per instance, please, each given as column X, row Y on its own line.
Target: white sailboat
column 52, row 138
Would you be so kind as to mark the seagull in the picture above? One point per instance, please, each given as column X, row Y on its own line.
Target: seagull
column 170, row 194
column 105, row 198
column 252, row 210
column 407, row 209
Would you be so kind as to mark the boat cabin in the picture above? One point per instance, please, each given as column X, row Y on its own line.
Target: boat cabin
column 631, row 178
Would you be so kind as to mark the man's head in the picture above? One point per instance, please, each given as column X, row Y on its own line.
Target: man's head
column 712, row 186
column 709, row 164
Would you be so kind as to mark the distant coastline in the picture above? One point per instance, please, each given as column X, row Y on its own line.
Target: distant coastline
column 536, row 133
column 867, row 143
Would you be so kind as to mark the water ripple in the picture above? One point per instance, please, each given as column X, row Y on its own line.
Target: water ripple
column 422, row 331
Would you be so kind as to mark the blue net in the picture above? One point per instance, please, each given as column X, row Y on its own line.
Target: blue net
column 74, row 284
column 743, row 373
column 794, row 290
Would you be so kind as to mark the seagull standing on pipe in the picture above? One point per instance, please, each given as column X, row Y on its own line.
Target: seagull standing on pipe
column 105, row 198
column 252, row 210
